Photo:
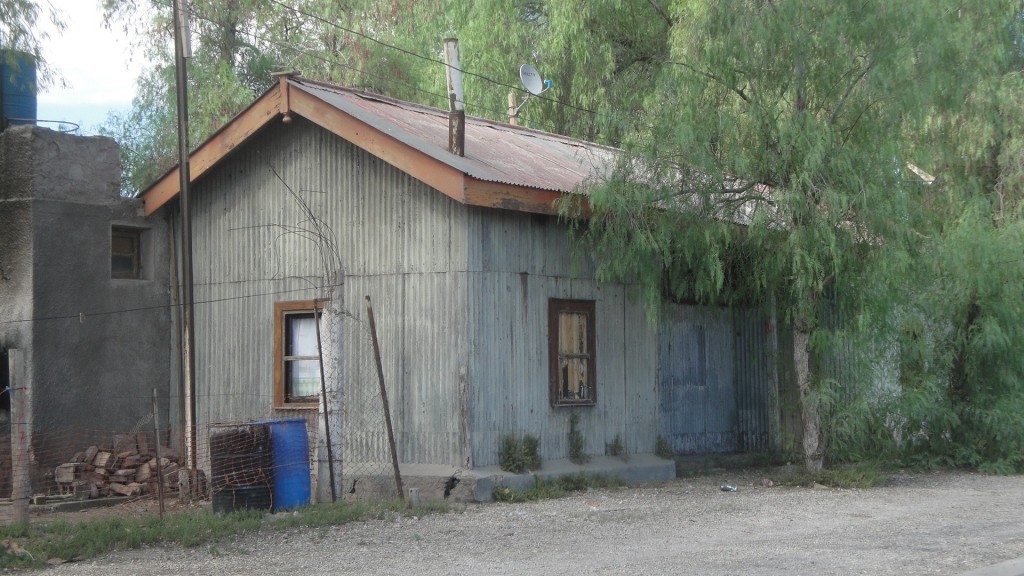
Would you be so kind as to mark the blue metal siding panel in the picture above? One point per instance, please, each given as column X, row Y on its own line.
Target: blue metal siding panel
column 715, row 378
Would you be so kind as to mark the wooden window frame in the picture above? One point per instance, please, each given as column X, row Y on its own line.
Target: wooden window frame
column 555, row 308
column 281, row 312
column 135, row 235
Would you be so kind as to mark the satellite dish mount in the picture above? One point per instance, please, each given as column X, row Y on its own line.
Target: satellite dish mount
column 533, row 83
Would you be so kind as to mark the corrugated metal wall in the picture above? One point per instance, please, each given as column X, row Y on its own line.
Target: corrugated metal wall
column 717, row 378
column 396, row 241
column 518, row 263
column 461, row 300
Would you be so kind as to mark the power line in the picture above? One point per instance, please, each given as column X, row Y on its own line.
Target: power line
column 335, row 62
column 83, row 315
column 422, row 57
column 499, row 113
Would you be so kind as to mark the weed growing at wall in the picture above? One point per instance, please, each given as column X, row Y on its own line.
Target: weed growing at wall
column 544, row 489
column 576, row 444
column 617, row 449
column 518, row 456
column 662, row 448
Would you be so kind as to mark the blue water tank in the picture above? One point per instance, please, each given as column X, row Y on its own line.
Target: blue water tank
column 289, row 447
column 17, row 87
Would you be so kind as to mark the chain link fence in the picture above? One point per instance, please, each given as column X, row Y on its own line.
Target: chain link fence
column 279, row 461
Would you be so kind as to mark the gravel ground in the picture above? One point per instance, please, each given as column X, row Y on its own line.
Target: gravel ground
column 945, row 523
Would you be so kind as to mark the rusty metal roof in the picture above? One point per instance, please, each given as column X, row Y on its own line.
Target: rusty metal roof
column 495, row 152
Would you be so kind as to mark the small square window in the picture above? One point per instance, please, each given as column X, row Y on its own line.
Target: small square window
column 571, row 343
column 296, row 355
column 125, row 253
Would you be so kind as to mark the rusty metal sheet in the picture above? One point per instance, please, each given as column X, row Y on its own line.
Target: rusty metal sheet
column 495, row 152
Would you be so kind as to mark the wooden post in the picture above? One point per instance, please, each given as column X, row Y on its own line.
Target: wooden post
column 384, row 397
column 512, row 114
column 21, row 437
column 456, row 107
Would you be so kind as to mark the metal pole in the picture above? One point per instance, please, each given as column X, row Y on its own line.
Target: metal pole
column 21, row 442
column 176, row 300
column 181, row 52
column 384, row 397
column 159, row 455
column 323, row 394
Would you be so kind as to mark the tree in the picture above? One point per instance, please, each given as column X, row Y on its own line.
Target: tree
column 596, row 52
column 19, row 30
column 770, row 165
column 964, row 395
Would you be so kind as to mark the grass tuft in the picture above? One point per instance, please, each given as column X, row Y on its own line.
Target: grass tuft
column 83, row 540
column 548, row 488
column 862, row 475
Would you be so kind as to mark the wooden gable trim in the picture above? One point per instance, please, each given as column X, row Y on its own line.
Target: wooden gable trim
column 284, row 101
column 214, row 150
column 510, row 197
column 433, row 172
column 513, row 197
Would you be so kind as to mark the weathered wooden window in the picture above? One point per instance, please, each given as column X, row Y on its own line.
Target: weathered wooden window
column 571, row 344
column 125, row 253
column 296, row 355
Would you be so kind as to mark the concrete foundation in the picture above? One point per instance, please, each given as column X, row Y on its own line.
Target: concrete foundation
column 478, row 485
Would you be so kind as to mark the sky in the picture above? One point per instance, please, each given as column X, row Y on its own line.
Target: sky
column 96, row 63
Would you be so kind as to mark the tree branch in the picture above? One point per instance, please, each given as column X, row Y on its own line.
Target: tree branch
column 849, row 90
column 739, row 91
column 664, row 13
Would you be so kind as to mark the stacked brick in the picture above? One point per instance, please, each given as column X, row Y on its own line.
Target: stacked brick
column 129, row 467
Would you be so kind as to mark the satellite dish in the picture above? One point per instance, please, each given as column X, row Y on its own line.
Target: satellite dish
column 531, row 79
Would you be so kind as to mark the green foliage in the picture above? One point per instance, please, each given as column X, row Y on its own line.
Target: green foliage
column 82, row 540
column 772, row 167
column 617, row 449
column 531, row 452
column 663, row 448
column 772, row 154
column 519, row 456
column 558, row 487
column 862, row 475
column 20, row 30
column 577, row 444
column 594, row 52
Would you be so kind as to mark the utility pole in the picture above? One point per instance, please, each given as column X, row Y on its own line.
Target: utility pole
column 182, row 51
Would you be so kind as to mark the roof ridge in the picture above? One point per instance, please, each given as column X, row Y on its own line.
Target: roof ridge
column 415, row 106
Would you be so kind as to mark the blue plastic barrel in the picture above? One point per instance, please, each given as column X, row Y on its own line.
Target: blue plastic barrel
column 289, row 448
column 17, row 87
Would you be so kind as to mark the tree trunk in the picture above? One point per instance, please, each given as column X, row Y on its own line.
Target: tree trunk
column 958, row 378
column 813, row 441
column 960, row 392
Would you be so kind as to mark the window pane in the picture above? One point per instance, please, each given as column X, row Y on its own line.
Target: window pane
column 573, row 376
column 302, row 378
column 301, row 340
column 572, row 333
column 122, row 267
column 124, row 254
column 571, row 349
column 122, row 243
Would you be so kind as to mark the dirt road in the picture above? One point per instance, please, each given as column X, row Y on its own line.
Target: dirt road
column 920, row 524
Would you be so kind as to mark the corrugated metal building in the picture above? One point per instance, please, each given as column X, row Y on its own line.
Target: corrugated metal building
column 472, row 281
